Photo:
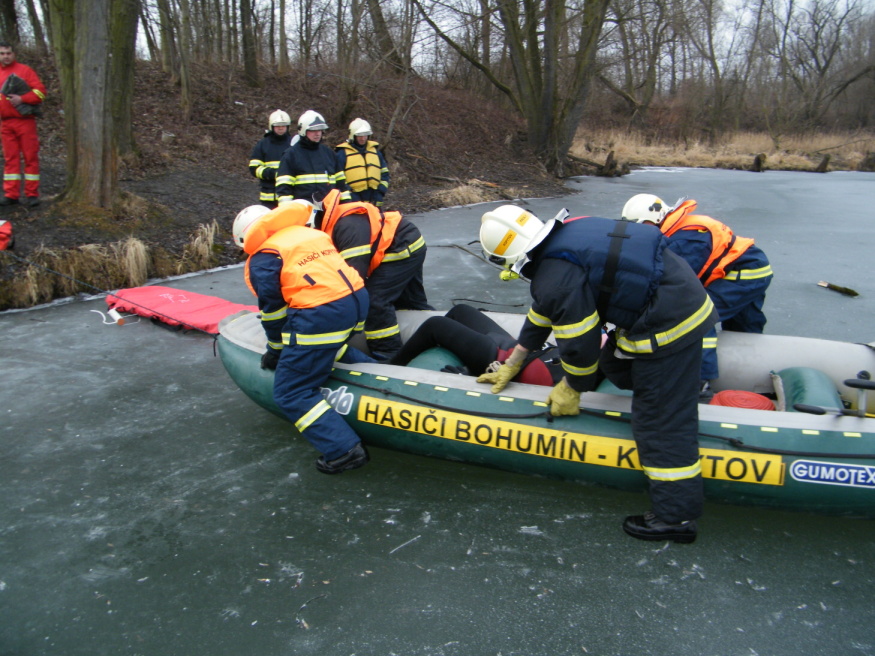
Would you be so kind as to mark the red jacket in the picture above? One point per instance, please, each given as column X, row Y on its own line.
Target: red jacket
column 35, row 96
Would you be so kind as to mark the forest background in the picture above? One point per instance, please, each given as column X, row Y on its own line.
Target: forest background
column 154, row 105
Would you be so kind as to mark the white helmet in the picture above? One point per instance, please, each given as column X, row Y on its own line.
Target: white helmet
column 244, row 220
column 279, row 117
column 643, row 208
column 359, row 127
column 506, row 232
column 311, row 120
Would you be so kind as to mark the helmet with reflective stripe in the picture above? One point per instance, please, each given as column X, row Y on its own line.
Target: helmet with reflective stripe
column 359, row 127
column 244, row 220
column 311, row 120
column 506, row 232
column 645, row 208
column 279, row 117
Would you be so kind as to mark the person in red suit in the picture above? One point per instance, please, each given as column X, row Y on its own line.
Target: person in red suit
column 19, row 104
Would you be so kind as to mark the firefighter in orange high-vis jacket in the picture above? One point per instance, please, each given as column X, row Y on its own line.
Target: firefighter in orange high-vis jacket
column 311, row 302
column 19, row 96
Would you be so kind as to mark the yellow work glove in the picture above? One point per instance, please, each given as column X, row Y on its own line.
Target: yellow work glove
column 502, row 377
column 506, row 372
column 563, row 400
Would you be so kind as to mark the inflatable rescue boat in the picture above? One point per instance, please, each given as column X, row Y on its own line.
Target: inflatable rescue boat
column 815, row 451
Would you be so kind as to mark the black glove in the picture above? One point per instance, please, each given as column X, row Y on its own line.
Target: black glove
column 453, row 369
column 270, row 358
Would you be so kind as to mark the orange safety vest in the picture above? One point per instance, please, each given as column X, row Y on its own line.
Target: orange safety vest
column 383, row 224
column 313, row 271
column 725, row 246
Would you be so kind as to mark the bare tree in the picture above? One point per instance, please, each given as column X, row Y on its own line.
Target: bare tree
column 9, row 22
column 548, row 90
column 250, row 51
column 639, row 38
column 94, row 44
column 39, row 38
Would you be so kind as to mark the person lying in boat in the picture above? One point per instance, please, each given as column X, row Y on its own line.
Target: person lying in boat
column 735, row 272
column 480, row 343
column 587, row 272
column 311, row 301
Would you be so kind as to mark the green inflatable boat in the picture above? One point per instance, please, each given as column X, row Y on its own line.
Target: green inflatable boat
column 814, row 452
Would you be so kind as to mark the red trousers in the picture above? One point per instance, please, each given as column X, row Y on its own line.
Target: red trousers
column 19, row 137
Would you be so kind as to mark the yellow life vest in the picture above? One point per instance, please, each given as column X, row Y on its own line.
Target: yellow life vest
column 363, row 170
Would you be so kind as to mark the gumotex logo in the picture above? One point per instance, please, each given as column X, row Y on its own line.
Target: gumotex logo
column 828, row 473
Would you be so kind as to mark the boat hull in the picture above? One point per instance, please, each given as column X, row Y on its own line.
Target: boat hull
column 749, row 457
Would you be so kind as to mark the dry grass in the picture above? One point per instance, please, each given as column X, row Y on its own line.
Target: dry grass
column 49, row 274
column 735, row 151
column 462, row 195
column 476, row 191
column 198, row 253
column 134, row 258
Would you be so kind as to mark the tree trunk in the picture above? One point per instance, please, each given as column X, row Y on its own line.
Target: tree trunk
column 185, row 59
column 42, row 48
column 94, row 45
column 168, row 39
column 388, row 50
column 283, row 64
column 123, row 22
column 9, row 23
column 250, row 56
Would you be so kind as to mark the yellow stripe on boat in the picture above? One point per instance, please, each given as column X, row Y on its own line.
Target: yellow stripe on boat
column 738, row 466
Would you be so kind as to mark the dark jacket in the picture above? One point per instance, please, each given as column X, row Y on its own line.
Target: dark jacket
column 653, row 298
column 308, row 169
column 265, row 160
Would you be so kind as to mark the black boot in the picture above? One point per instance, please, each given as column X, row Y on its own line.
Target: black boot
column 356, row 457
column 649, row 527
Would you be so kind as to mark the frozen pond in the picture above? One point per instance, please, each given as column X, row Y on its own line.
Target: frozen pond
column 150, row 508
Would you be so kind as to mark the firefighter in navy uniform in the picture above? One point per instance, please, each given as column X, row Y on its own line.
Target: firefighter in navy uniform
column 363, row 165
column 266, row 155
column 590, row 271
column 735, row 272
column 388, row 252
column 311, row 302
column 308, row 169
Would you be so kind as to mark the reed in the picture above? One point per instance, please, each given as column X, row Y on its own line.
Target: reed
column 733, row 151
column 92, row 268
column 133, row 256
column 198, row 253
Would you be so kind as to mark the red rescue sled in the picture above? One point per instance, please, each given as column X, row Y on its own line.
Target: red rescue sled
column 175, row 307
